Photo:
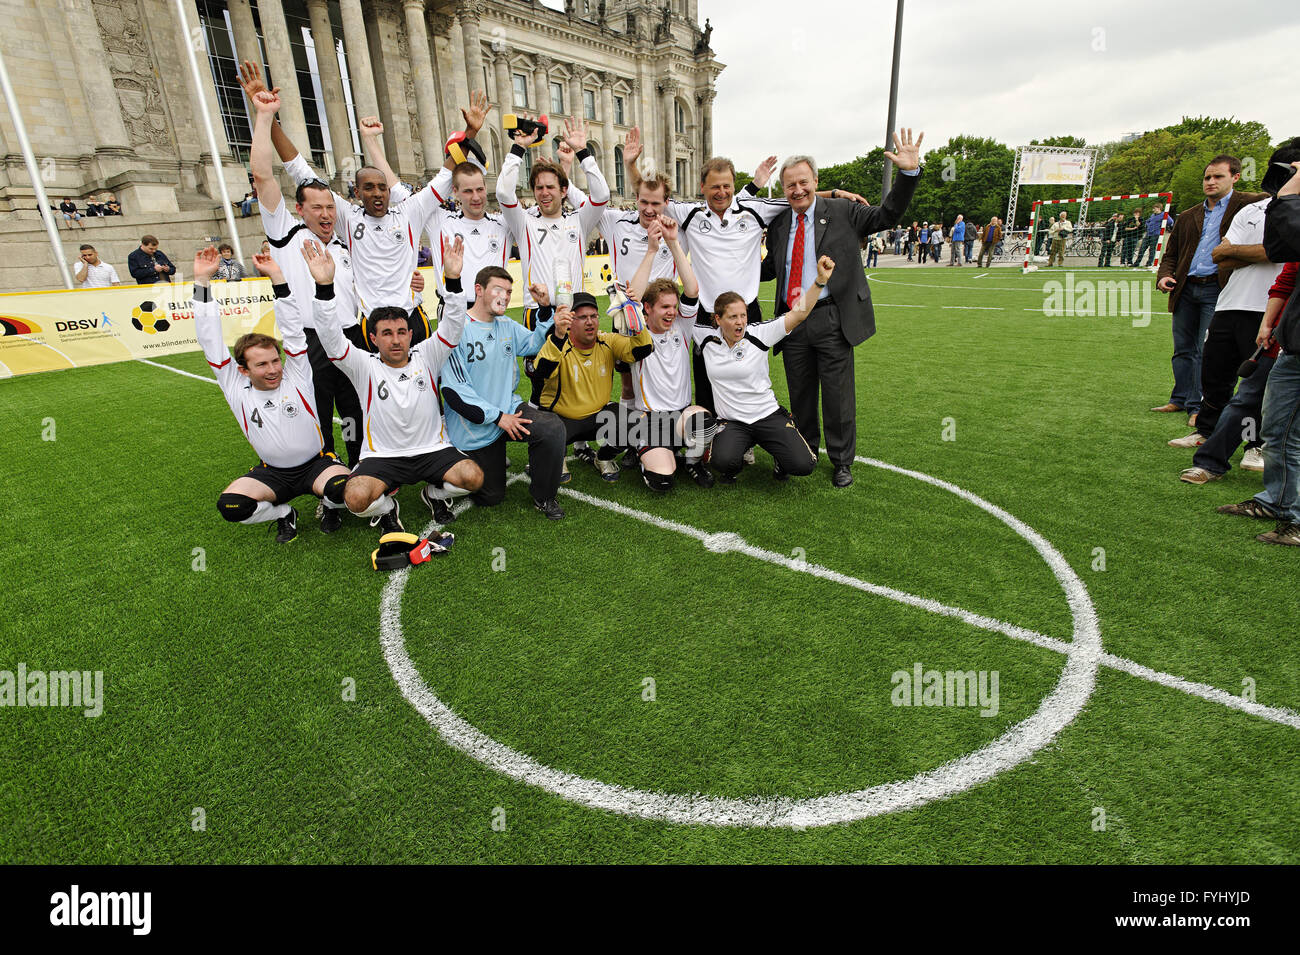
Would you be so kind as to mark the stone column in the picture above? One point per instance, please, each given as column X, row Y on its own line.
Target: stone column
column 279, row 57
column 364, row 99
column 668, row 91
column 111, row 140
column 457, row 79
column 608, row 136
column 426, row 96
column 505, row 93
column 241, row 22
column 468, row 14
column 331, row 87
column 575, row 110
column 542, row 98
column 705, row 100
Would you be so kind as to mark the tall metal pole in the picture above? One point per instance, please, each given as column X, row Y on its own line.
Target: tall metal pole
column 29, row 157
column 196, row 39
column 888, row 180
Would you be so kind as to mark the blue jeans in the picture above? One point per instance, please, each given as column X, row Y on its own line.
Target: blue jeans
column 1148, row 243
column 873, row 258
column 1191, row 322
column 1213, row 455
column 1281, row 434
column 898, row 246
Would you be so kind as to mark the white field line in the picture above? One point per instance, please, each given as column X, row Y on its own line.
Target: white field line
column 190, row 374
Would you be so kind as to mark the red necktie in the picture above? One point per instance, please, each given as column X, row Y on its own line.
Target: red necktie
column 792, row 290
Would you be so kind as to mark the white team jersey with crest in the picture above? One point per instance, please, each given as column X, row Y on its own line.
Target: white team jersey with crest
column 544, row 242
column 401, row 416
column 281, row 425
column 627, row 241
column 287, row 233
column 726, row 251
column 662, row 380
column 487, row 242
column 739, row 373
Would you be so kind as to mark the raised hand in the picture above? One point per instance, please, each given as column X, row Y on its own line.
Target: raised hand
column 250, row 78
column 525, row 140
column 319, row 263
column 370, row 127
column 267, row 102
column 565, row 154
column 265, row 265
column 476, row 115
column 763, row 174
column 540, row 294
column 825, row 266
column 632, row 147
column 563, row 319
column 575, row 133
column 654, row 232
column 906, row 154
column 205, row 263
column 668, row 226
column 453, row 259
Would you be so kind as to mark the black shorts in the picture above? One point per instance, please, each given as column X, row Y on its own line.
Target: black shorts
column 429, row 467
column 288, row 483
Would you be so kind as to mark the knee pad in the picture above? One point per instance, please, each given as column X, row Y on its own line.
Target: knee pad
column 334, row 489
column 698, row 429
column 236, row 507
column 659, row 482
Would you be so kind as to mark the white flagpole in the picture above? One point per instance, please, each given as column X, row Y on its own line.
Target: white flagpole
column 51, row 225
column 196, row 39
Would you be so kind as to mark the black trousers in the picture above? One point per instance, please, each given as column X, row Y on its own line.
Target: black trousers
column 818, row 360
column 334, row 390
column 776, row 434
column 546, row 440
column 1229, row 341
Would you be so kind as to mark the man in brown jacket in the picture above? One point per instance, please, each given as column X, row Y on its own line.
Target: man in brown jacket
column 1192, row 280
column 992, row 236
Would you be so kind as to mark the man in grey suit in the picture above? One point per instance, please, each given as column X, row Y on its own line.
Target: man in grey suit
column 819, row 353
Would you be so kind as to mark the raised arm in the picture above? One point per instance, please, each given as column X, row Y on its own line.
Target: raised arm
column 685, row 271
column 794, row 318
column 654, row 235
column 250, row 78
column 508, row 185
column 631, row 153
column 267, row 104
column 575, row 135
column 207, row 321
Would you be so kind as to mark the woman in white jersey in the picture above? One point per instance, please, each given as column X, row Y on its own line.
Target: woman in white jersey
column 747, row 410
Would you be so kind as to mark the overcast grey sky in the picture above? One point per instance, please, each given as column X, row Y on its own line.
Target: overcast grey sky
column 813, row 75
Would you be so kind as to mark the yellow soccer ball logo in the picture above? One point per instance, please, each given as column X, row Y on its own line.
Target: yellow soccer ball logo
column 145, row 319
column 606, row 275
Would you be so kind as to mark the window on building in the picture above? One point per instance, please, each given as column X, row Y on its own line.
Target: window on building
column 588, row 104
column 557, row 98
column 618, row 111
column 679, row 118
column 681, row 177
column 620, row 182
column 521, row 91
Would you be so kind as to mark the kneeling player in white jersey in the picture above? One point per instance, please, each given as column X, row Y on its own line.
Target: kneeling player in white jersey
column 552, row 243
column 272, row 401
column 737, row 362
column 404, row 439
column 664, row 418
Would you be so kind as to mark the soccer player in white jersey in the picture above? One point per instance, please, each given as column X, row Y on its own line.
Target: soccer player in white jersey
column 271, row 400
column 404, row 438
column 664, row 418
column 551, row 242
column 737, row 359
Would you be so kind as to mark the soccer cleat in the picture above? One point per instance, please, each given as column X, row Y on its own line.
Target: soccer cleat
column 725, row 478
column 700, row 474
column 1253, row 459
column 607, row 469
column 779, row 473
column 1251, row 508
column 1286, row 532
column 550, row 508
column 631, row 461
column 286, row 528
column 331, row 520
column 390, row 523
column 441, row 510
column 565, row 474
column 583, row 451
column 1193, row 440
column 1198, row 476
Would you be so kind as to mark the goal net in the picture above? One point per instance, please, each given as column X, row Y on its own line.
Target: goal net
column 1090, row 240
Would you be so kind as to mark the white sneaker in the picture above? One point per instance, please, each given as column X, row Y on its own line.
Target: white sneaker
column 1193, row 440
column 749, row 456
column 1253, row 459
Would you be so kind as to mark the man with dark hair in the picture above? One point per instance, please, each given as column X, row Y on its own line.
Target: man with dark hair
column 271, row 401
column 1109, row 236
column 1192, row 279
column 483, row 412
column 148, row 264
column 988, row 248
column 90, row 272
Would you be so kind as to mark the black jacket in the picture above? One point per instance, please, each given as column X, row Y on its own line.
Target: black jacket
column 141, row 267
column 839, row 230
column 1282, row 244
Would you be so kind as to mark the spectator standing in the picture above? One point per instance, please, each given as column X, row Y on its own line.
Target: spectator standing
column 958, row 238
column 1109, row 236
column 90, row 272
column 971, row 235
column 992, row 236
column 1129, row 233
column 936, row 241
column 1154, row 222
column 1057, row 234
column 148, row 264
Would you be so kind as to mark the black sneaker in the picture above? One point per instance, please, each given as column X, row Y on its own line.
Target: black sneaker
column 286, row 528
column 779, row 473
column 700, row 474
column 550, row 508
column 442, row 513
column 631, row 461
column 331, row 519
column 390, row 523
column 725, row 478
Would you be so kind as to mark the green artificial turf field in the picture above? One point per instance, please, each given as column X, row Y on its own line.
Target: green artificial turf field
column 250, row 712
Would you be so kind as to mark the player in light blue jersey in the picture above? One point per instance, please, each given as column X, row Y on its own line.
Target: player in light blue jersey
column 478, row 384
